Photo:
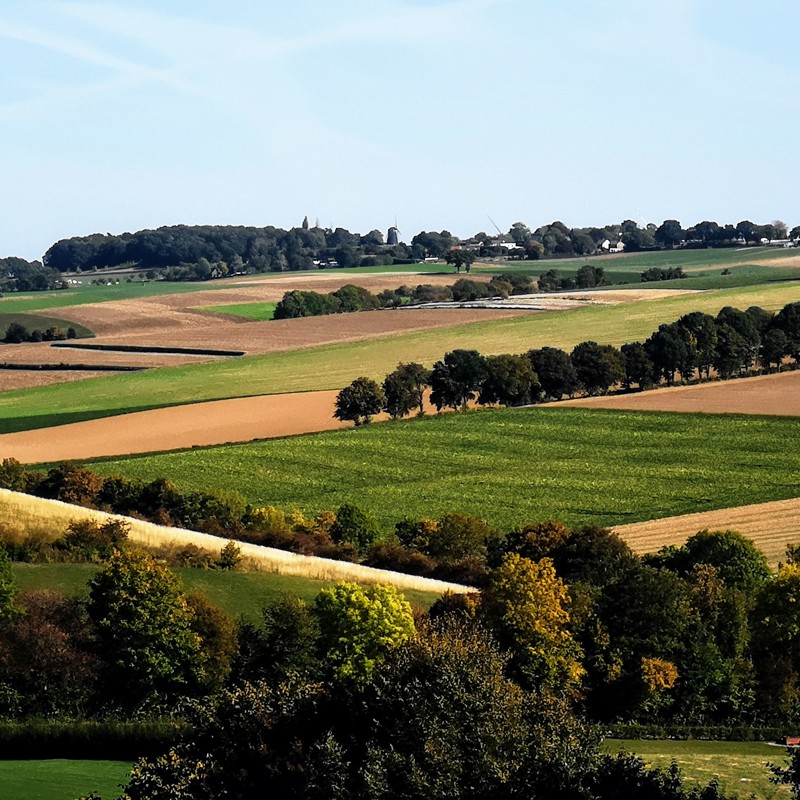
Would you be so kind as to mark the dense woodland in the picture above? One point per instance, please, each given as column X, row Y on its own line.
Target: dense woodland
column 354, row 695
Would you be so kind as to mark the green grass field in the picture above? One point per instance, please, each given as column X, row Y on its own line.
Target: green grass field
column 61, row 779
column 334, row 366
column 83, row 295
column 510, row 466
column 255, row 311
column 740, row 767
column 237, row 593
column 40, row 321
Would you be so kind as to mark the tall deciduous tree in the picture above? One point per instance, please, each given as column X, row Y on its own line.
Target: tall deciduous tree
column 404, row 389
column 510, row 381
column 457, row 378
column 598, row 367
column 555, row 371
column 460, row 258
column 638, row 366
column 359, row 401
column 359, row 625
column 145, row 627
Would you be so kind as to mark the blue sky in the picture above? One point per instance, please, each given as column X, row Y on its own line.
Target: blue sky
column 129, row 114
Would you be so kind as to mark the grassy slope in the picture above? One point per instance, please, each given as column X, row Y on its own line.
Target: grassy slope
column 740, row 767
column 61, row 780
column 509, row 466
column 40, row 321
column 237, row 593
column 334, row 366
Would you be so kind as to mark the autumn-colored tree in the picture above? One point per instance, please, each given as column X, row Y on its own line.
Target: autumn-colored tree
column 47, row 663
column 359, row 625
column 528, row 607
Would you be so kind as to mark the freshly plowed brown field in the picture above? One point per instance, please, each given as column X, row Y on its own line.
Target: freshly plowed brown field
column 766, row 394
column 217, row 422
column 199, row 424
column 770, row 525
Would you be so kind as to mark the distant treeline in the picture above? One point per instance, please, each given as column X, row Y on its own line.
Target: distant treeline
column 299, row 303
column 240, row 248
column 207, row 250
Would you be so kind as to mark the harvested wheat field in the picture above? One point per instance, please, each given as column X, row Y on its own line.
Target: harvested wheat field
column 144, row 322
column 153, row 324
column 777, row 394
column 770, row 525
column 23, row 515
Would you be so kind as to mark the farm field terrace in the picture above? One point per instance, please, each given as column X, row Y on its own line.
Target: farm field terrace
column 509, row 466
column 61, row 779
column 334, row 366
column 633, row 264
column 237, row 593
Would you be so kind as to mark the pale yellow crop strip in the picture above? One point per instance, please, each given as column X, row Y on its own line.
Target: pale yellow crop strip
column 25, row 515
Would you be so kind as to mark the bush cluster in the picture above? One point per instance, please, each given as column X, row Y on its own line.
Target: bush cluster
column 662, row 274
column 16, row 333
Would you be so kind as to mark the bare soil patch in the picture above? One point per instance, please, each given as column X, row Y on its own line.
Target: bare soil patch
column 777, row 394
column 179, row 427
column 11, row 379
column 770, row 525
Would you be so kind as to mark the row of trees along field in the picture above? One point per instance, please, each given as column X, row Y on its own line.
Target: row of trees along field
column 731, row 344
column 353, row 695
column 228, row 249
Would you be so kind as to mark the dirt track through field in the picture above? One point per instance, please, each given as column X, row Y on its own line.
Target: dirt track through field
column 765, row 394
column 770, row 525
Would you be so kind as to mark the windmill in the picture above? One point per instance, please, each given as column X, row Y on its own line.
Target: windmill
column 393, row 234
